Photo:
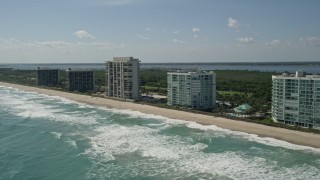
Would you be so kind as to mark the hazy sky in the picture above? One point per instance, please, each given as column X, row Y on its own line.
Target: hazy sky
column 61, row 31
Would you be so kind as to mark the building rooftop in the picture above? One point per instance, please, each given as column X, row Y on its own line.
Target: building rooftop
column 191, row 72
column 124, row 59
column 78, row 70
column 45, row 68
column 298, row 74
column 242, row 108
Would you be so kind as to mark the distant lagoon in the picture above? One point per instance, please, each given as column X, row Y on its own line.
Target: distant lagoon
column 311, row 67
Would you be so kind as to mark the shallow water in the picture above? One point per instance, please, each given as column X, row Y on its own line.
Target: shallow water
column 45, row 137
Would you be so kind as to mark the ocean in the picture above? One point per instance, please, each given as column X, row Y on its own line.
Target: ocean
column 308, row 67
column 46, row 137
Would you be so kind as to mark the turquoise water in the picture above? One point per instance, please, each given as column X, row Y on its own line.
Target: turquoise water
column 45, row 137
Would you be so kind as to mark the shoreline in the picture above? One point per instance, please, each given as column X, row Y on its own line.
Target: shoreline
column 291, row 136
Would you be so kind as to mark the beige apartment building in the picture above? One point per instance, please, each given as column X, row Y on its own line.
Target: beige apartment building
column 122, row 78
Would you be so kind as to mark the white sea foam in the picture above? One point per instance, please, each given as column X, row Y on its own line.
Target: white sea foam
column 28, row 111
column 223, row 132
column 164, row 154
column 67, row 140
column 91, row 112
column 135, row 114
column 35, row 110
column 71, row 143
column 57, row 135
column 138, row 114
column 181, row 158
column 118, row 140
column 25, row 104
column 61, row 100
column 253, row 137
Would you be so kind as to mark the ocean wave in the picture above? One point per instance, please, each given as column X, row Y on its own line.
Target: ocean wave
column 131, row 150
column 71, row 143
column 251, row 137
column 67, row 140
column 178, row 158
column 57, row 135
column 28, row 105
column 28, row 110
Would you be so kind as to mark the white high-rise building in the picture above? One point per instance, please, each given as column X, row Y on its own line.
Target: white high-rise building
column 296, row 99
column 122, row 78
column 195, row 90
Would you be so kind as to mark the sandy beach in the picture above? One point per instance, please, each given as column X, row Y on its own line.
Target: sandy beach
column 295, row 137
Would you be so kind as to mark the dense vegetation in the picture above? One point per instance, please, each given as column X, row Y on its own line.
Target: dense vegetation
column 100, row 78
column 255, row 88
column 27, row 77
column 233, row 86
column 153, row 81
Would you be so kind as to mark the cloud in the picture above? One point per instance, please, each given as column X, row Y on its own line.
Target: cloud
column 274, row 43
column 52, row 44
column 195, row 36
column 13, row 50
column 82, row 34
column 144, row 37
column 246, row 40
column 196, row 29
column 103, row 45
column 14, row 44
column 10, row 44
column 232, row 23
column 175, row 32
column 9, row 41
column 148, row 29
column 178, row 41
column 310, row 41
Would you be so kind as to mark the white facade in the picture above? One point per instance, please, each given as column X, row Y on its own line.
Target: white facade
column 296, row 99
column 195, row 90
column 122, row 78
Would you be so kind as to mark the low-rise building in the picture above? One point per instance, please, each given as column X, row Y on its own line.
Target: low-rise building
column 47, row 77
column 80, row 80
column 296, row 99
column 242, row 109
column 195, row 90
